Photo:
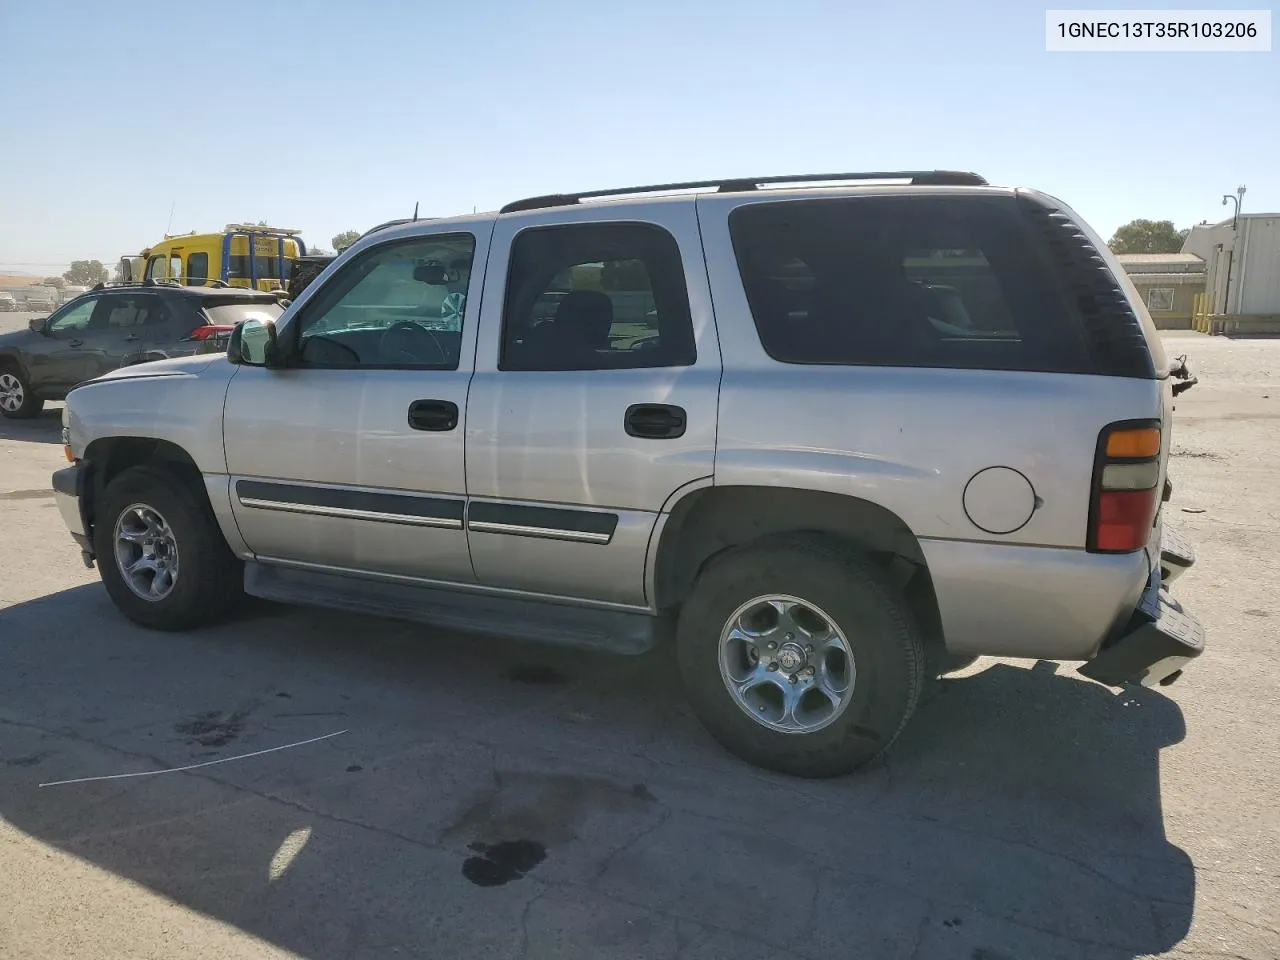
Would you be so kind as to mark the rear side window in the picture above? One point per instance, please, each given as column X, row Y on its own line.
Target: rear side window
column 601, row 296
column 904, row 281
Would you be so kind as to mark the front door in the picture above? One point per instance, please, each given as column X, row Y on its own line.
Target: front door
column 350, row 456
column 63, row 356
column 594, row 400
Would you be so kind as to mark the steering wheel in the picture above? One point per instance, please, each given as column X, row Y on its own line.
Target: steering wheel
column 407, row 342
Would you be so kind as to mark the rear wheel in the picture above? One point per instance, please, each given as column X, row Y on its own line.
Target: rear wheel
column 161, row 556
column 17, row 401
column 799, row 655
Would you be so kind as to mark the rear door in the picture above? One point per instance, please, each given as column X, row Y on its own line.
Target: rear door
column 594, row 398
column 117, row 336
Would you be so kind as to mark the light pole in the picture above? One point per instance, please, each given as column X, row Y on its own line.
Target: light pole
column 1237, row 198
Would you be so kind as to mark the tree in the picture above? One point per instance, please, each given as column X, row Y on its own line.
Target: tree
column 345, row 239
column 1148, row 236
column 53, row 282
column 86, row 273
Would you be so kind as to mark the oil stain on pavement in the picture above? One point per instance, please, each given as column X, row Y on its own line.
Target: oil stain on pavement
column 501, row 863
column 213, row 728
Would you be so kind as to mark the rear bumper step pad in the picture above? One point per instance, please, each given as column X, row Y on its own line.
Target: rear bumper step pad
column 1162, row 640
column 1177, row 555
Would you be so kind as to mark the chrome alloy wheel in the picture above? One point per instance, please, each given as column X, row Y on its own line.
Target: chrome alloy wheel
column 146, row 552
column 11, row 392
column 786, row 664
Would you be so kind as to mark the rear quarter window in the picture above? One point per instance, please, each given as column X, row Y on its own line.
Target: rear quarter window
column 904, row 281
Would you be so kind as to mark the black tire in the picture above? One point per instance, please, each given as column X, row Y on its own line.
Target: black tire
column 31, row 405
column 210, row 578
column 870, row 612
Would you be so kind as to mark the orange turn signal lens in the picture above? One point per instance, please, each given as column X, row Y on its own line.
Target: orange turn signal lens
column 1144, row 442
column 69, row 455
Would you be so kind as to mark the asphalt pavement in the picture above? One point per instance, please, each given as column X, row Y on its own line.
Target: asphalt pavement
column 477, row 798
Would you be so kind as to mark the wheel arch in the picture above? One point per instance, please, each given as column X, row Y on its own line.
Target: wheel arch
column 11, row 359
column 708, row 521
column 108, row 457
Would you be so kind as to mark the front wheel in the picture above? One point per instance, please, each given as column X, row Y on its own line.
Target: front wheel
column 161, row 555
column 800, row 656
column 17, row 401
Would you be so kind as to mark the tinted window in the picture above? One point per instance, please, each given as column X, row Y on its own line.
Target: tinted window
column 126, row 312
column 400, row 304
column 596, row 297
column 197, row 269
column 903, row 281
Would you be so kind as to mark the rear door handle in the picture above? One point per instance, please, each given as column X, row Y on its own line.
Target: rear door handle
column 434, row 415
column 130, row 338
column 75, row 343
column 655, row 421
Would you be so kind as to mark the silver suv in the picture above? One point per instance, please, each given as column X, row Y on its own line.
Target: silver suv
column 841, row 432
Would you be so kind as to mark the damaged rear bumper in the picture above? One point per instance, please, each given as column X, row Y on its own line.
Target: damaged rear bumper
column 1161, row 638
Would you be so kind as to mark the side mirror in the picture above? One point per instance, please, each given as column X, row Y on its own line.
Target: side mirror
column 37, row 324
column 253, row 343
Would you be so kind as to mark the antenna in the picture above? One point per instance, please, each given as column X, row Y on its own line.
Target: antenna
column 169, row 226
column 415, row 210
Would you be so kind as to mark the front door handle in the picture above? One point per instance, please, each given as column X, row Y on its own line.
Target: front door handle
column 435, row 415
column 75, row 343
column 130, row 338
column 655, row 421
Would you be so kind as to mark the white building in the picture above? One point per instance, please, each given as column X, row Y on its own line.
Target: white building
column 1243, row 271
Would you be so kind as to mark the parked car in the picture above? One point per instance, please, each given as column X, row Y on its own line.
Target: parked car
column 7, row 303
column 117, row 326
column 39, row 298
column 857, row 434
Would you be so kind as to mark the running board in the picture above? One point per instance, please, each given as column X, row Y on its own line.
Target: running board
column 519, row 618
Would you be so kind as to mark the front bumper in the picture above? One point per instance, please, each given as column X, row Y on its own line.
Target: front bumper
column 70, row 489
column 1161, row 638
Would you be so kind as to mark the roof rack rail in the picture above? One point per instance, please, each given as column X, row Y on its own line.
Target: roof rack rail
column 161, row 281
column 106, row 284
column 918, row 178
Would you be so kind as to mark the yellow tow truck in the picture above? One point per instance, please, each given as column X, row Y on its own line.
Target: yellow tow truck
column 255, row 256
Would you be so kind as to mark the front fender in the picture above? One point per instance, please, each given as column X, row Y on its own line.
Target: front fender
column 181, row 408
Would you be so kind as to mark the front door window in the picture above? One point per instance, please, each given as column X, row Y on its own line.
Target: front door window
column 73, row 320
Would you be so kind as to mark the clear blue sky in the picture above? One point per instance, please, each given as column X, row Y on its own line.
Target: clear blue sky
column 344, row 114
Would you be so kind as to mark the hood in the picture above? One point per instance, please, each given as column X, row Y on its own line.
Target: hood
column 173, row 367
column 17, row 338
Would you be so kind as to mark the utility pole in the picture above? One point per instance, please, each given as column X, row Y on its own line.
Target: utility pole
column 1237, row 198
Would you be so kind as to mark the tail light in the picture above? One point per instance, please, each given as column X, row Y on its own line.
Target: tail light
column 211, row 331
column 1126, row 481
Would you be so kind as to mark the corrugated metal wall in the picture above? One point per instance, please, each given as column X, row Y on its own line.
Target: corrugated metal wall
column 1259, row 275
